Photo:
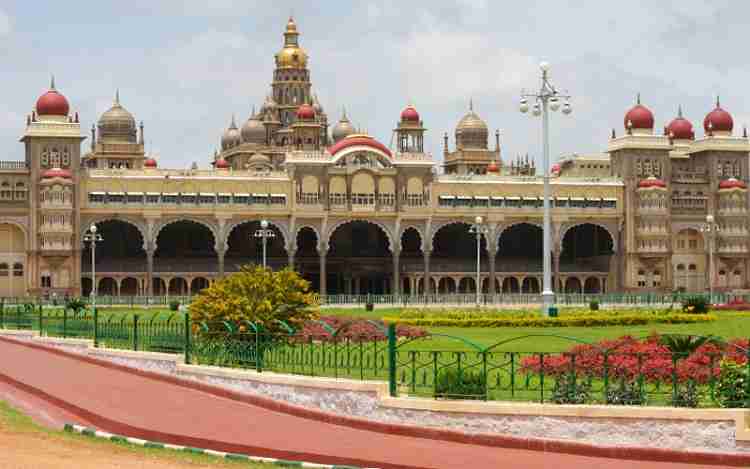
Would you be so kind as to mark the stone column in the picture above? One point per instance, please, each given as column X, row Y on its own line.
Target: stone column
column 220, row 255
column 427, row 272
column 491, row 281
column 150, row 272
column 396, row 286
column 322, row 256
column 290, row 262
column 556, row 287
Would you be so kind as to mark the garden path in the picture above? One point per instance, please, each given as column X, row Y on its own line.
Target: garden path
column 175, row 413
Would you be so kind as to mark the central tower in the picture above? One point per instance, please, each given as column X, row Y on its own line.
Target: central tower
column 291, row 78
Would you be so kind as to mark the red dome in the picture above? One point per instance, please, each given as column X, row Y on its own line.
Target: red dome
column 355, row 140
column 410, row 114
column 221, row 163
column 680, row 128
column 306, row 112
column 556, row 168
column 651, row 181
column 52, row 103
column 149, row 163
column 57, row 173
column 732, row 183
column 719, row 120
column 493, row 167
column 639, row 116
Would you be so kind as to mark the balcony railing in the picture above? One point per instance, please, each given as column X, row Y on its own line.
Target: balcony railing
column 13, row 165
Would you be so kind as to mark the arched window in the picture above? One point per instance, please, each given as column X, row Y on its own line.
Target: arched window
column 18, row 269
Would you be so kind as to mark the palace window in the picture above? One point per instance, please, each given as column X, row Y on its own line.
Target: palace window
column 18, row 269
column 46, row 281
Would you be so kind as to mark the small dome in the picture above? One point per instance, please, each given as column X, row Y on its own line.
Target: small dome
column 292, row 55
column 493, row 167
column 117, row 123
column 651, row 181
column 472, row 131
column 305, row 112
column 149, row 163
column 639, row 117
column 732, row 183
column 680, row 128
column 259, row 158
column 52, row 103
column 57, row 173
column 253, row 130
column 231, row 137
column 718, row 120
column 556, row 168
column 409, row 114
column 221, row 163
column 342, row 129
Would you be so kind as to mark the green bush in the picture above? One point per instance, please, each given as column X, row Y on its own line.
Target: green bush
column 464, row 384
column 627, row 393
column 76, row 305
column 695, row 305
column 570, row 389
column 594, row 305
column 732, row 385
column 174, row 305
column 686, row 396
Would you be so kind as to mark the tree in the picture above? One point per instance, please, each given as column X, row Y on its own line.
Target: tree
column 258, row 295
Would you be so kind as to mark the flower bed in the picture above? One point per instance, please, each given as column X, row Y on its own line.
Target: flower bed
column 579, row 318
column 353, row 329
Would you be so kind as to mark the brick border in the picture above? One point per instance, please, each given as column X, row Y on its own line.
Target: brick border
column 92, row 432
column 503, row 441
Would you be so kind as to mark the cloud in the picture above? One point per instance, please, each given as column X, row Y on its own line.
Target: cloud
column 5, row 26
column 449, row 65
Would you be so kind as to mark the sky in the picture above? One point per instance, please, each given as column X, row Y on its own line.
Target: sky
column 184, row 67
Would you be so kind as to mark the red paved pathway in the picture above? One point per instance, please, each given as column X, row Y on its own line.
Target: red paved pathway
column 197, row 417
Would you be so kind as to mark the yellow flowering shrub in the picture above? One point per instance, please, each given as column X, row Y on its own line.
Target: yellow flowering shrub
column 255, row 294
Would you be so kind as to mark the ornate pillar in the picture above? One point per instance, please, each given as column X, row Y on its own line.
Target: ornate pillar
column 492, row 251
column 221, row 250
column 427, row 272
column 150, row 272
column 396, row 286
column 322, row 253
column 556, row 287
column 290, row 262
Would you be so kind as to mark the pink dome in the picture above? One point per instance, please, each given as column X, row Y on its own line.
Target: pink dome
column 306, row 112
column 680, row 128
column 556, row 168
column 149, row 163
column 410, row 114
column 221, row 163
column 57, row 173
column 651, row 181
column 355, row 140
column 732, row 183
column 493, row 167
column 718, row 120
column 639, row 117
column 52, row 103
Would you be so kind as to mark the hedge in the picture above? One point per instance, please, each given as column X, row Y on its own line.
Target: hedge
column 565, row 321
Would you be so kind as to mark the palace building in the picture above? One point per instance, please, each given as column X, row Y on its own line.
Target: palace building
column 356, row 216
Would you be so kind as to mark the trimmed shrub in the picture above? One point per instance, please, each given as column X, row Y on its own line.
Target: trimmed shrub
column 570, row 389
column 263, row 296
column 627, row 393
column 732, row 385
column 174, row 305
column 695, row 305
column 594, row 305
column 632, row 319
column 466, row 384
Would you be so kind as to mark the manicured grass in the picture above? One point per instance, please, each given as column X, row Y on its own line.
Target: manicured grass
column 17, row 423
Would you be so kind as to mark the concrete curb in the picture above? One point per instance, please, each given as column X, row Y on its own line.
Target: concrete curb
column 92, row 432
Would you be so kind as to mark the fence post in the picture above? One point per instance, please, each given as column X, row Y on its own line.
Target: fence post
column 187, row 338
column 65, row 323
column 2, row 318
column 135, row 332
column 41, row 323
column 96, row 327
column 392, row 360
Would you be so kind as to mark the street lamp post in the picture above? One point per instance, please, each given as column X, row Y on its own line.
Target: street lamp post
column 479, row 229
column 264, row 233
column 93, row 237
column 710, row 228
column 546, row 99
